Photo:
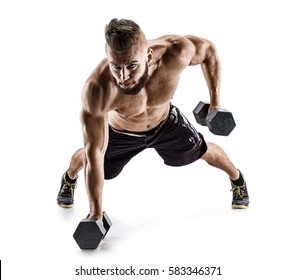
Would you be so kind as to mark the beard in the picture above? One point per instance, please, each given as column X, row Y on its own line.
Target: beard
column 136, row 88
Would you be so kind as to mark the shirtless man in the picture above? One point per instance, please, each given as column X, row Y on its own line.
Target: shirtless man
column 126, row 108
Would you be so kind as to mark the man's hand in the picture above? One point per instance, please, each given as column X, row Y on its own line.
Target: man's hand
column 213, row 106
column 94, row 217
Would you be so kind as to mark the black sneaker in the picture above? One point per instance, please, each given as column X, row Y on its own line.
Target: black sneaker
column 65, row 197
column 240, row 198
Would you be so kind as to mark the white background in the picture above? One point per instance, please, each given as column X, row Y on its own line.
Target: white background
column 162, row 216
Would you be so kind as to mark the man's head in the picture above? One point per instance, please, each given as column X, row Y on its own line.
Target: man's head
column 122, row 34
column 128, row 55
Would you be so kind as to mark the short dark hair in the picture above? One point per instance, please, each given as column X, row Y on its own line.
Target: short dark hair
column 122, row 34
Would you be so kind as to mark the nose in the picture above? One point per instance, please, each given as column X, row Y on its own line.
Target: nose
column 124, row 74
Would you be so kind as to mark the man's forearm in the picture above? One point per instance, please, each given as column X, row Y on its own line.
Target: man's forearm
column 94, row 181
column 212, row 72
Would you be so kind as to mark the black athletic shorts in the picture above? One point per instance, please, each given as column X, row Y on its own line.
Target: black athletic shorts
column 175, row 140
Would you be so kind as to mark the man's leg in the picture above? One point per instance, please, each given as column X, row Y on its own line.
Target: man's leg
column 65, row 198
column 76, row 164
column 216, row 156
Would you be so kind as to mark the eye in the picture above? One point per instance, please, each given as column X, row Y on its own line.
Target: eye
column 115, row 67
column 132, row 66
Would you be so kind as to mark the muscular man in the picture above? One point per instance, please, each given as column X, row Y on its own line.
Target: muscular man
column 126, row 108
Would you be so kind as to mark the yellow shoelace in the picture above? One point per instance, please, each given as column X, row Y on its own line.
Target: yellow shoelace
column 69, row 187
column 238, row 190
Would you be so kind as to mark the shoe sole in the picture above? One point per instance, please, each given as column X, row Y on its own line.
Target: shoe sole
column 66, row 205
column 236, row 206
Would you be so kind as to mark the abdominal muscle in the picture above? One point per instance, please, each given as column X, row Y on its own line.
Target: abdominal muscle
column 143, row 120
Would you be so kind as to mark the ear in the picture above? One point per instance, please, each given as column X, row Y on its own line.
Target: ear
column 149, row 55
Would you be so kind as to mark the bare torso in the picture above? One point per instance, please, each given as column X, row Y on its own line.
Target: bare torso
column 150, row 107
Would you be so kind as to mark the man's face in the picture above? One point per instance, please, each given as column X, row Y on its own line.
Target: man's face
column 129, row 69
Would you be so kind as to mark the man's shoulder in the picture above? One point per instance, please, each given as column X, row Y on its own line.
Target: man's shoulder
column 174, row 50
column 97, row 86
column 168, row 41
column 99, row 78
column 100, row 72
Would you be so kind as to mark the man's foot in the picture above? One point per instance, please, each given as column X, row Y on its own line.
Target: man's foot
column 240, row 198
column 65, row 196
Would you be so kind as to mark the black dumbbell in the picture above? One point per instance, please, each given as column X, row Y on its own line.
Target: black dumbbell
column 89, row 234
column 219, row 121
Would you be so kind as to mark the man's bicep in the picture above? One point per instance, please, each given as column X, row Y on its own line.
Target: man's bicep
column 95, row 131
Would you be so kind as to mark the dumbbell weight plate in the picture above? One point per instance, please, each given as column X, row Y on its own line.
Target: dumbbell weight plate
column 106, row 223
column 89, row 234
column 200, row 112
column 220, row 122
